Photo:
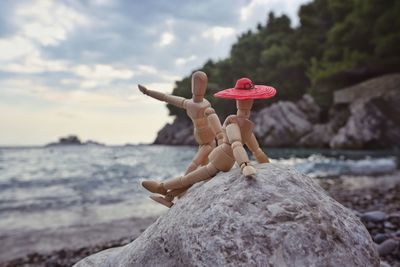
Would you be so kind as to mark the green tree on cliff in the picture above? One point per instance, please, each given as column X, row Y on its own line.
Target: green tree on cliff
column 338, row 43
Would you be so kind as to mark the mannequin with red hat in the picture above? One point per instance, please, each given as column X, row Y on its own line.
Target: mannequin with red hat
column 207, row 126
column 238, row 131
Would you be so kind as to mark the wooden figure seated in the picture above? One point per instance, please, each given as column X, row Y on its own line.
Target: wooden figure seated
column 238, row 131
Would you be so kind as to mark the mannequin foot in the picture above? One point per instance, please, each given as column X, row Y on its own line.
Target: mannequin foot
column 182, row 194
column 249, row 171
column 162, row 200
column 154, row 187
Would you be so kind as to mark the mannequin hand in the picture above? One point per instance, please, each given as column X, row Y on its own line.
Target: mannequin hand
column 142, row 89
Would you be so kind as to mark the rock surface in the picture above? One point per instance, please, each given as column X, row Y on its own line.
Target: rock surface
column 322, row 133
column 374, row 121
column 280, row 218
column 180, row 132
column 284, row 123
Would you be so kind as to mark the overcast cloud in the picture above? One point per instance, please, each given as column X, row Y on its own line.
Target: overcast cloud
column 72, row 66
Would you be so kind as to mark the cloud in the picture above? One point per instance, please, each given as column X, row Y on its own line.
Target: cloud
column 37, row 23
column 48, row 22
column 217, row 33
column 106, row 3
column 34, row 63
column 98, row 74
column 184, row 60
column 146, row 69
column 35, row 89
column 90, row 75
column 166, row 38
column 256, row 10
column 15, row 47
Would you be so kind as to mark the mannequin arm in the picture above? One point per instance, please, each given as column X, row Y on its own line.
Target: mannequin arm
column 215, row 124
column 241, row 157
column 260, row 156
column 170, row 99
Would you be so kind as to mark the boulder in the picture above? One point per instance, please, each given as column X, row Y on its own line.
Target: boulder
column 180, row 132
column 284, row 123
column 279, row 218
column 322, row 134
column 308, row 106
column 374, row 121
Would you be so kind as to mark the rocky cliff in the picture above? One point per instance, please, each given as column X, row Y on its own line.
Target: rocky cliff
column 280, row 218
column 180, row 132
column 364, row 116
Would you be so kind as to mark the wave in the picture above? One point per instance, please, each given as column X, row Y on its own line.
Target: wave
column 320, row 166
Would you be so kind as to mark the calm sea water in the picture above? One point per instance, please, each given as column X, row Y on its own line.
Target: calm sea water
column 52, row 187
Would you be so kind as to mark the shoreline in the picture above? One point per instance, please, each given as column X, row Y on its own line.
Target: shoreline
column 66, row 246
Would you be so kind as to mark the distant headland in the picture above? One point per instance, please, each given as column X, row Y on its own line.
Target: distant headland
column 73, row 140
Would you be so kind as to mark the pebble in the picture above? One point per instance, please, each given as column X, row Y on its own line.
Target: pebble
column 387, row 247
column 384, row 264
column 394, row 218
column 379, row 238
column 389, row 225
column 374, row 216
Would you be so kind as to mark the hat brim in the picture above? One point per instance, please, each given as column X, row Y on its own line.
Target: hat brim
column 259, row 92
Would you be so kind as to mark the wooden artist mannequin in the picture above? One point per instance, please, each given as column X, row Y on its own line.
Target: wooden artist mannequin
column 238, row 131
column 207, row 126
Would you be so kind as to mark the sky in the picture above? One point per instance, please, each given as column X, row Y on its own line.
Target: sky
column 72, row 67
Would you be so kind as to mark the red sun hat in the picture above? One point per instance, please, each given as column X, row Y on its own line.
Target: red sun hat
column 245, row 89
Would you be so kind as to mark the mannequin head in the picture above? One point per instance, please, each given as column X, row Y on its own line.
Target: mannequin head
column 199, row 85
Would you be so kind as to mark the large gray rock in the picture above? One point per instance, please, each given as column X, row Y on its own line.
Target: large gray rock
column 280, row 218
column 321, row 134
column 180, row 132
column 374, row 121
column 284, row 123
column 309, row 107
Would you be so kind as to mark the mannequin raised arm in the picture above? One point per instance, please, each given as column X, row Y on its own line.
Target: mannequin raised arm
column 170, row 99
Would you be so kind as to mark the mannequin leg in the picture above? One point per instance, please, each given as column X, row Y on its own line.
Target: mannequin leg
column 221, row 159
column 254, row 147
column 201, row 158
column 240, row 154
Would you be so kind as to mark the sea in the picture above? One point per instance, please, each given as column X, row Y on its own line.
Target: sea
column 62, row 186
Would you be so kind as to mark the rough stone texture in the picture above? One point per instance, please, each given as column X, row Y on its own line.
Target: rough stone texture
column 180, row 132
column 319, row 136
column 374, row 121
column 280, row 218
column 284, row 123
column 372, row 88
column 309, row 107
column 322, row 134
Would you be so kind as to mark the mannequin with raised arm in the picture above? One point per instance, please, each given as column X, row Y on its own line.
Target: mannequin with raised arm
column 207, row 126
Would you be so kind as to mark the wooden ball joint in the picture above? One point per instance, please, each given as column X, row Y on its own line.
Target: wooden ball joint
column 237, row 131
